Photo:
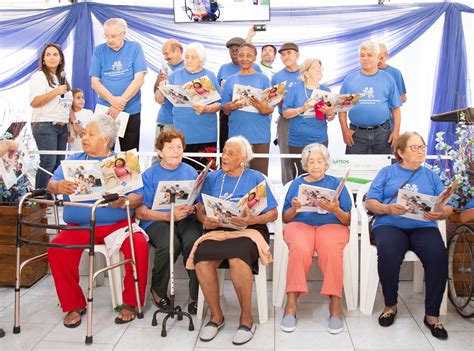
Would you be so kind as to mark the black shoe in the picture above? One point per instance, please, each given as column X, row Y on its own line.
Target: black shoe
column 193, row 307
column 163, row 304
column 386, row 319
column 2, row 333
column 437, row 330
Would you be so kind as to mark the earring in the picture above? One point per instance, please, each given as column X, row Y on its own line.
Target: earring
column 242, row 164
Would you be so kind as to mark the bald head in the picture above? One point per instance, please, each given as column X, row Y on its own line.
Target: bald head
column 383, row 56
column 172, row 52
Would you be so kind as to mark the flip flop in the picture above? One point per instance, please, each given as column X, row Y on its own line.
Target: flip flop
column 81, row 312
column 119, row 320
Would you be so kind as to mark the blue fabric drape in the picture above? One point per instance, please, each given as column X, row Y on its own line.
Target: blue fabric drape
column 334, row 29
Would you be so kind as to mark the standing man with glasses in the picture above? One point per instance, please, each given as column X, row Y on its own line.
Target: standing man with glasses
column 375, row 120
column 117, row 73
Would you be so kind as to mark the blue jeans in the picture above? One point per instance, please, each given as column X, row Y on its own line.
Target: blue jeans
column 52, row 137
column 393, row 243
column 373, row 141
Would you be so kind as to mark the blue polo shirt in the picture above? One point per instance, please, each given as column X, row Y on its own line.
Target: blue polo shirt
column 229, row 69
column 117, row 69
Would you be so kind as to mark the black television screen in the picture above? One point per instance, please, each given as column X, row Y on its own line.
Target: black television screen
column 186, row 11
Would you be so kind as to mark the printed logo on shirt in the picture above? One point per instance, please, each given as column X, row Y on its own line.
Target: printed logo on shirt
column 369, row 92
column 117, row 66
column 117, row 69
column 411, row 187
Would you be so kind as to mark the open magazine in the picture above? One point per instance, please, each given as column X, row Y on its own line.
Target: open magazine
column 199, row 91
column 121, row 120
column 339, row 102
column 14, row 167
column 417, row 203
column 273, row 94
column 255, row 201
column 309, row 194
column 115, row 174
column 186, row 191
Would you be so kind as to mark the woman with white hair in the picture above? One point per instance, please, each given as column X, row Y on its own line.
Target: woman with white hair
column 199, row 122
column 325, row 231
column 100, row 134
column 238, row 250
column 249, row 116
column 308, row 117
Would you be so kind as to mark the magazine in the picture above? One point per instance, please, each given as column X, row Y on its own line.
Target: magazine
column 121, row 172
column 222, row 210
column 13, row 167
column 88, row 175
column 416, row 203
column 121, row 120
column 274, row 94
column 255, row 200
column 445, row 196
column 308, row 196
column 199, row 183
column 339, row 102
column 341, row 185
column 199, row 91
column 182, row 189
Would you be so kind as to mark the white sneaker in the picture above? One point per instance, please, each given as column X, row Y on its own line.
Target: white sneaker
column 244, row 334
column 210, row 330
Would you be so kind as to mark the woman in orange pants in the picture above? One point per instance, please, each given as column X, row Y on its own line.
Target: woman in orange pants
column 319, row 226
column 100, row 134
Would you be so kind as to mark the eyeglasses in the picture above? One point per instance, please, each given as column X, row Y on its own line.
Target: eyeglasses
column 112, row 36
column 416, row 148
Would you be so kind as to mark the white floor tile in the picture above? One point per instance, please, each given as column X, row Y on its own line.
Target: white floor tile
column 30, row 335
column 452, row 321
column 71, row 346
column 402, row 310
column 406, row 293
column 457, row 341
column 300, row 340
column 34, row 309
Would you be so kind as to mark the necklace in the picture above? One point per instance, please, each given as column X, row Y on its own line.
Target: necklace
column 235, row 188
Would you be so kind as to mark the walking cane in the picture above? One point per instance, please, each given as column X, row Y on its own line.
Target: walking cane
column 172, row 311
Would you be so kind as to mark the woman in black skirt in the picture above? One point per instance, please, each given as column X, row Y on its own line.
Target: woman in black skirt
column 239, row 251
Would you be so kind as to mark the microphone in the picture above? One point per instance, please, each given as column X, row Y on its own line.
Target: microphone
column 62, row 80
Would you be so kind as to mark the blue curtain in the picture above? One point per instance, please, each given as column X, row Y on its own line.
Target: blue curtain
column 338, row 29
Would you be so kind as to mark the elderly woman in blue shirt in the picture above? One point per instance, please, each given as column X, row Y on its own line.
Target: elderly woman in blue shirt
column 394, row 235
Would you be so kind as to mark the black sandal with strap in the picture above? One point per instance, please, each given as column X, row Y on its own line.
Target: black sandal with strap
column 126, row 307
column 81, row 312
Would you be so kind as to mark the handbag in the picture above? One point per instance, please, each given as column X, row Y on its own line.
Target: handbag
column 373, row 216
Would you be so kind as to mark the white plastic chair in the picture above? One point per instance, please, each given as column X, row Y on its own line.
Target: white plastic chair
column 350, row 264
column 369, row 278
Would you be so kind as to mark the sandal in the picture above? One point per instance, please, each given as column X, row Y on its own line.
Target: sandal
column 128, row 308
column 80, row 312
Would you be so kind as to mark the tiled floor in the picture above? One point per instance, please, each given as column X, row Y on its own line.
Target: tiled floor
column 42, row 327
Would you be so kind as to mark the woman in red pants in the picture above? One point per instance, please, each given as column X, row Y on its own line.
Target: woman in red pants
column 100, row 134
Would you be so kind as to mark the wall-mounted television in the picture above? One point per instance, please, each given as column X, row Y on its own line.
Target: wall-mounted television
column 188, row 11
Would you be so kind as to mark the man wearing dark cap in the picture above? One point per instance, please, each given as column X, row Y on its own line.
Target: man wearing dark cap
column 225, row 71
column 289, row 54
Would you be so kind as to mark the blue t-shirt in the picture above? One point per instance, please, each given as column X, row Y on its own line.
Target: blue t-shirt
column 117, row 69
column 156, row 173
column 229, row 69
column 222, row 186
column 290, row 77
column 197, row 129
column 389, row 179
column 397, row 76
column 252, row 125
column 304, row 129
column 82, row 216
column 312, row 218
column 470, row 204
column 381, row 96
column 165, row 115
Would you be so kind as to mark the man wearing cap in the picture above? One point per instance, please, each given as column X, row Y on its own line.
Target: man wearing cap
column 226, row 71
column 172, row 51
column 289, row 54
column 375, row 119
column 395, row 73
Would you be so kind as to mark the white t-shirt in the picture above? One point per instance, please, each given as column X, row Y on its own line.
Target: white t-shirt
column 83, row 116
column 56, row 110
column 268, row 71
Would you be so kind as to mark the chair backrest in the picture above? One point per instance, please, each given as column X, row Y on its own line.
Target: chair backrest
column 364, row 218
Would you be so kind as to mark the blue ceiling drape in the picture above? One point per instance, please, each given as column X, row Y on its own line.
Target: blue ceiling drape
column 339, row 29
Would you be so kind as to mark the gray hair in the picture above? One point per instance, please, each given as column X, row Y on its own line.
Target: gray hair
column 107, row 127
column 245, row 146
column 119, row 22
column 200, row 51
column 306, row 65
column 383, row 48
column 314, row 149
column 370, row 45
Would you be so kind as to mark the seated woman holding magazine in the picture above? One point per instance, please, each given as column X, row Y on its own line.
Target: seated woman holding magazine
column 253, row 124
column 323, row 229
column 222, row 247
column 100, row 134
column 395, row 234
column 155, row 219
